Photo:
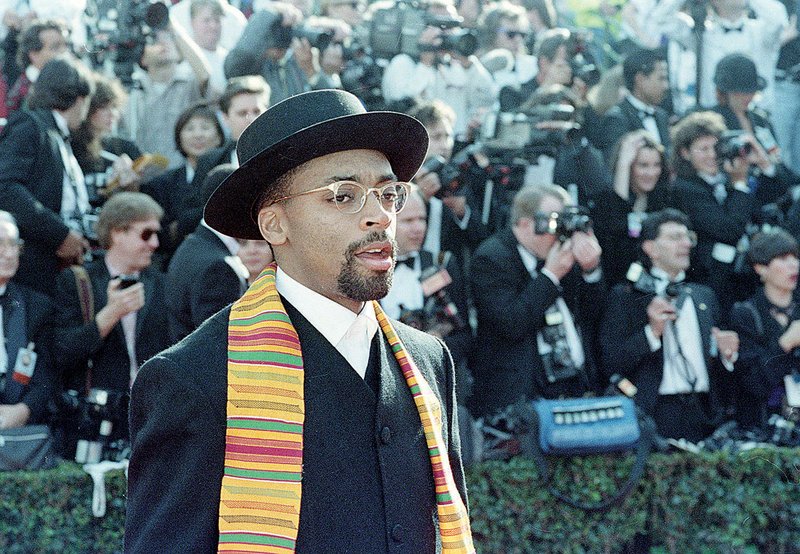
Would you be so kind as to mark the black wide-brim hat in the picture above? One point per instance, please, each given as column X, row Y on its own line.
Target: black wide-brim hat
column 302, row 128
column 737, row 73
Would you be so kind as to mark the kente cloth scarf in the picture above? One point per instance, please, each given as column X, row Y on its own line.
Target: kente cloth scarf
column 259, row 507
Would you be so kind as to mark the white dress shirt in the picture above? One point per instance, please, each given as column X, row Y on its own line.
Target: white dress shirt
column 74, row 196
column 351, row 334
column 573, row 337
column 406, row 292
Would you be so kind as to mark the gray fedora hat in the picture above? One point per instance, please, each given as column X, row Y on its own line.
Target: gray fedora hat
column 299, row 129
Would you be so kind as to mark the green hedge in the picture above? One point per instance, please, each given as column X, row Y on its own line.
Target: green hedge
column 708, row 503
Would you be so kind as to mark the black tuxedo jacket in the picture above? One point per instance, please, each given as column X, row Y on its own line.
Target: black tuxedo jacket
column 38, row 329
column 31, row 182
column 78, row 342
column 367, row 479
column 511, row 305
column 626, row 351
column 762, row 362
column 210, row 160
column 624, row 118
column 713, row 222
column 200, row 282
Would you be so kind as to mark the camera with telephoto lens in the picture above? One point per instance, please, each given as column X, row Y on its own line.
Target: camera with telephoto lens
column 527, row 132
column 732, row 145
column 563, row 224
column 643, row 281
column 99, row 416
column 396, row 30
column 118, row 31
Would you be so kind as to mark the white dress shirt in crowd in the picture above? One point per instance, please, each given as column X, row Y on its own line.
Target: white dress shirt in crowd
column 74, row 196
column 573, row 337
column 406, row 292
column 351, row 334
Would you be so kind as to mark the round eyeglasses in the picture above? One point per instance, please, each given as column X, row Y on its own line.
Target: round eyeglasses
column 350, row 197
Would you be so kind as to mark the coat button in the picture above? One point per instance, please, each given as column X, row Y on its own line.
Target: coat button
column 397, row 533
column 386, row 435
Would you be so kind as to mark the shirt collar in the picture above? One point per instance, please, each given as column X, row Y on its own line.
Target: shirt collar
column 115, row 271
column 61, row 122
column 528, row 259
column 711, row 179
column 331, row 319
column 230, row 243
column 32, row 73
column 662, row 275
column 641, row 106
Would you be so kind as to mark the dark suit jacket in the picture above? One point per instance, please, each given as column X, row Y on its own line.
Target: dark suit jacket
column 713, row 222
column 36, row 311
column 210, row 160
column 172, row 192
column 624, row 118
column 31, row 181
column 626, row 350
column 610, row 223
column 367, row 480
column 200, row 282
column 78, row 342
column 511, row 306
column 762, row 362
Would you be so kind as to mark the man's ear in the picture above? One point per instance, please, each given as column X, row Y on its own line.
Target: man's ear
column 761, row 270
column 272, row 224
column 684, row 153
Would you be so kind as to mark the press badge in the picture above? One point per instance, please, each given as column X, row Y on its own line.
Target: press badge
column 26, row 362
column 792, row 384
column 724, row 253
column 635, row 220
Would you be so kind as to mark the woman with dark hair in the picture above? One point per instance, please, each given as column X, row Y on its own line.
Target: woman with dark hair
column 640, row 187
column 197, row 130
column 105, row 159
column 769, row 328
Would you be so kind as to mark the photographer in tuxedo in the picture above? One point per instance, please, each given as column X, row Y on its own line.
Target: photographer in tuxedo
column 538, row 291
column 660, row 332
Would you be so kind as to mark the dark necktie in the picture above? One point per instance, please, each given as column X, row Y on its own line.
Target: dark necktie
column 738, row 29
column 409, row 261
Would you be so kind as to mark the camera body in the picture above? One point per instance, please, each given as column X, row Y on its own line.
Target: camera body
column 281, row 36
column 521, row 131
column 97, row 420
column 732, row 145
column 119, row 30
column 396, row 30
column 563, row 224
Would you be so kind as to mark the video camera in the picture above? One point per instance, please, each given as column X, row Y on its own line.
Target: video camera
column 396, row 30
column 524, row 130
column 563, row 224
column 119, row 30
column 732, row 145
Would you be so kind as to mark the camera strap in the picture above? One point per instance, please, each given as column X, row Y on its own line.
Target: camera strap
column 83, row 284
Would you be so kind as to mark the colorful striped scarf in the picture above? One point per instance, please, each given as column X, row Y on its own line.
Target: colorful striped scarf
column 262, row 483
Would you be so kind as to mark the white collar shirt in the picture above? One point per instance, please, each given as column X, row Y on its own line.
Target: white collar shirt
column 74, row 196
column 350, row 334
column 406, row 292
column 571, row 331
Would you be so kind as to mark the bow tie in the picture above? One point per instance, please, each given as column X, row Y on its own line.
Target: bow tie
column 644, row 113
column 409, row 261
column 738, row 29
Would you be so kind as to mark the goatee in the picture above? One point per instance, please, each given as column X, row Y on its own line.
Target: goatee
column 357, row 286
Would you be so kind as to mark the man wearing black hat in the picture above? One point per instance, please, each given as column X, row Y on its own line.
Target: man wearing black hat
column 301, row 418
column 738, row 82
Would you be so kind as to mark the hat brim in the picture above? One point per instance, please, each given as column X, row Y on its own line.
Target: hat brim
column 231, row 210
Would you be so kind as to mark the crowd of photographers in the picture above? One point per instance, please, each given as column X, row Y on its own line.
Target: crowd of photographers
column 610, row 199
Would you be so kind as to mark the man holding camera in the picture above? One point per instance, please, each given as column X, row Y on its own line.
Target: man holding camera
column 661, row 333
column 285, row 50
column 110, row 316
column 445, row 70
column 538, row 291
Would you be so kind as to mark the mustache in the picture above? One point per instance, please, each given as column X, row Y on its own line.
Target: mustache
column 374, row 236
